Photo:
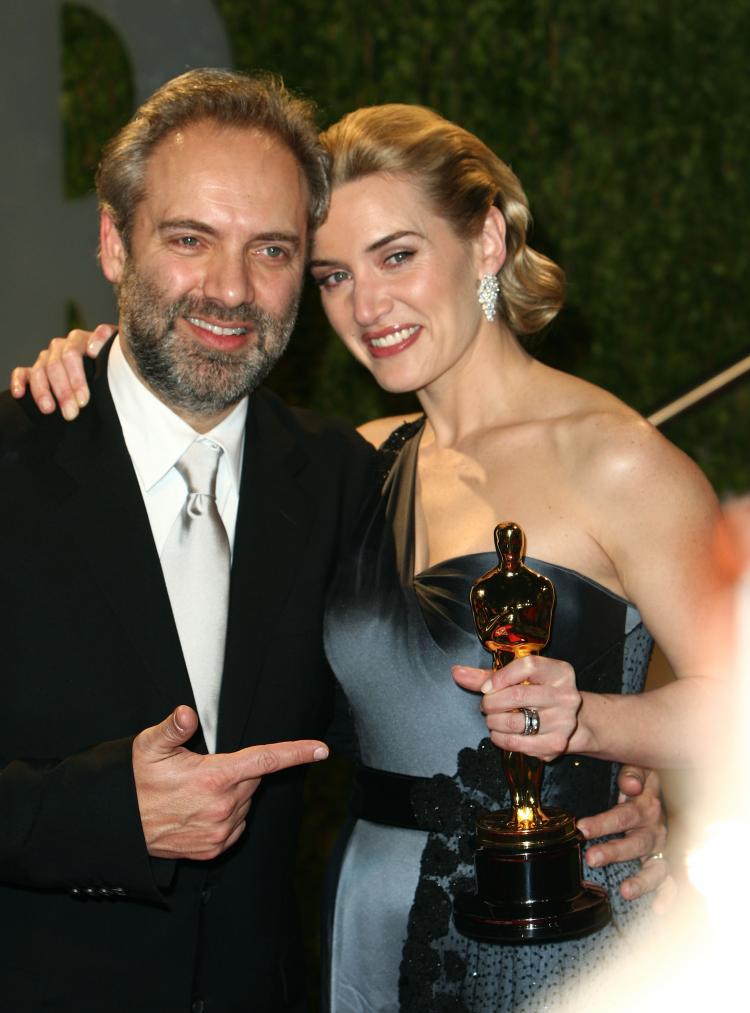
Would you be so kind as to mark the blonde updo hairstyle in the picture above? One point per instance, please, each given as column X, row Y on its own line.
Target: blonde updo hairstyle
column 462, row 179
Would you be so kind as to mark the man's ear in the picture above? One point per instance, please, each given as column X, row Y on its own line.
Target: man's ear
column 491, row 243
column 112, row 252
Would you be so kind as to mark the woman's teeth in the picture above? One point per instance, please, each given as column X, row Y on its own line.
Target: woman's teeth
column 395, row 338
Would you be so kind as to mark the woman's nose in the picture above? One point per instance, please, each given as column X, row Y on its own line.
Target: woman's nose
column 371, row 302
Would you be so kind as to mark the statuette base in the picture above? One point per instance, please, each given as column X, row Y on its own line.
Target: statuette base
column 529, row 884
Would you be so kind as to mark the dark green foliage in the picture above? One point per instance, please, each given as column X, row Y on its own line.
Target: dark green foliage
column 626, row 122
column 97, row 93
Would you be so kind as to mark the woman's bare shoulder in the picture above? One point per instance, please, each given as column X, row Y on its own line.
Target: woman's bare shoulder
column 612, row 450
column 378, row 430
column 621, row 459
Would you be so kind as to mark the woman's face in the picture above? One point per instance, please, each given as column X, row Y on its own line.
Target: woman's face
column 397, row 284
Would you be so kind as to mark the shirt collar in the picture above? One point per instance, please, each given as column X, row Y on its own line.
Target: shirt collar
column 155, row 436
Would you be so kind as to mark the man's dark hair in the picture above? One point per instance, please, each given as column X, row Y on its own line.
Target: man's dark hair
column 231, row 99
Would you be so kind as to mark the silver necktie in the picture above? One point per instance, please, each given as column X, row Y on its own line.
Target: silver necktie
column 196, row 564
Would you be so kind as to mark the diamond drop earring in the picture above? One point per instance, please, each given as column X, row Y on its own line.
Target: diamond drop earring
column 487, row 293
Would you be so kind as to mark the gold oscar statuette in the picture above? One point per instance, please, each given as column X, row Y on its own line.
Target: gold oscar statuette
column 529, row 886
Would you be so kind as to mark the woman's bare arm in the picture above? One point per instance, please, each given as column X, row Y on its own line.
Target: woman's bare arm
column 57, row 377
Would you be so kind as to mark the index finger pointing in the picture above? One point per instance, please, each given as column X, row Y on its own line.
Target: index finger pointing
column 256, row 761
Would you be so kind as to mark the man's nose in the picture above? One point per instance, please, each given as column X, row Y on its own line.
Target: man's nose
column 228, row 279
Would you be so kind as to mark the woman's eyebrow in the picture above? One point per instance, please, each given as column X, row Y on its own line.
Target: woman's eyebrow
column 390, row 238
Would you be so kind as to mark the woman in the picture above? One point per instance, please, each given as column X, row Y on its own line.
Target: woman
column 426, row 276
column 423, row 219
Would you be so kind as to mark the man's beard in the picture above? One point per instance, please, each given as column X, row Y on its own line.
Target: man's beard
column 182, row 372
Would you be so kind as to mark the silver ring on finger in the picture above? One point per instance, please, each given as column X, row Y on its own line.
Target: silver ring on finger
column 530, row 721
column 658, row 855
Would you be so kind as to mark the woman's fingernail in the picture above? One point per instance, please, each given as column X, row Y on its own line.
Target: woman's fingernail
column 593, row 858
column 69, row 410
column 82, row 397
column 486, row 687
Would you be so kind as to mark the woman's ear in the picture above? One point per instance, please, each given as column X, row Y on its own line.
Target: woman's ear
column 491, row 243
column 112, row 252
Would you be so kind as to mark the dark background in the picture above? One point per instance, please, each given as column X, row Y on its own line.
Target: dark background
column 627, row 122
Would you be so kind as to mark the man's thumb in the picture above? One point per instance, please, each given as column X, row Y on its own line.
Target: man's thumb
column 171, row 733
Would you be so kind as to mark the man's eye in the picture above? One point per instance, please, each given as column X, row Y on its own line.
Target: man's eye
column 188, row 242
column 275, row 252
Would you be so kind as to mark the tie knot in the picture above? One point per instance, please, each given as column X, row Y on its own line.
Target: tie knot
column 199, row 465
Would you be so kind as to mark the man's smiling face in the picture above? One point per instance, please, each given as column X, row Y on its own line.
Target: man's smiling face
column 208, row 289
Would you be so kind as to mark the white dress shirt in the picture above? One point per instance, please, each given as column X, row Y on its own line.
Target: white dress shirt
column 156, row 439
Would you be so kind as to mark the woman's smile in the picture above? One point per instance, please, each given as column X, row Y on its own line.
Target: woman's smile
column 391, row 340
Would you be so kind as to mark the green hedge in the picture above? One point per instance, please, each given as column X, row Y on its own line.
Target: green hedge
column 627, row 122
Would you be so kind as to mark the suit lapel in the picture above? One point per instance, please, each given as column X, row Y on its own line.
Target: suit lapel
column 105, row 513
column 273, row 525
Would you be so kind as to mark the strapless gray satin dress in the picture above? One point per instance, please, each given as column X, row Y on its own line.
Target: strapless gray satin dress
column 391, row 638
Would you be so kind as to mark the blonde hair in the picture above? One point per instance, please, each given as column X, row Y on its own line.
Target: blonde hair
column 462, row 178
column 227, row 98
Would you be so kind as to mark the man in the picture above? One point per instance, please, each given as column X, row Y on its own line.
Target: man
column 207, row 199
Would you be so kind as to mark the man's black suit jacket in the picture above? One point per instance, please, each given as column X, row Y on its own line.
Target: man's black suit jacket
column 88, row 922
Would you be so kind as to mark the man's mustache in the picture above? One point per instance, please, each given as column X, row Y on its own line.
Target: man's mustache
column 245, row 313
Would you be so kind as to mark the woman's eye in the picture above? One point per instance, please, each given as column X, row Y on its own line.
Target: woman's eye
column 399, row 257
column 332, row 279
